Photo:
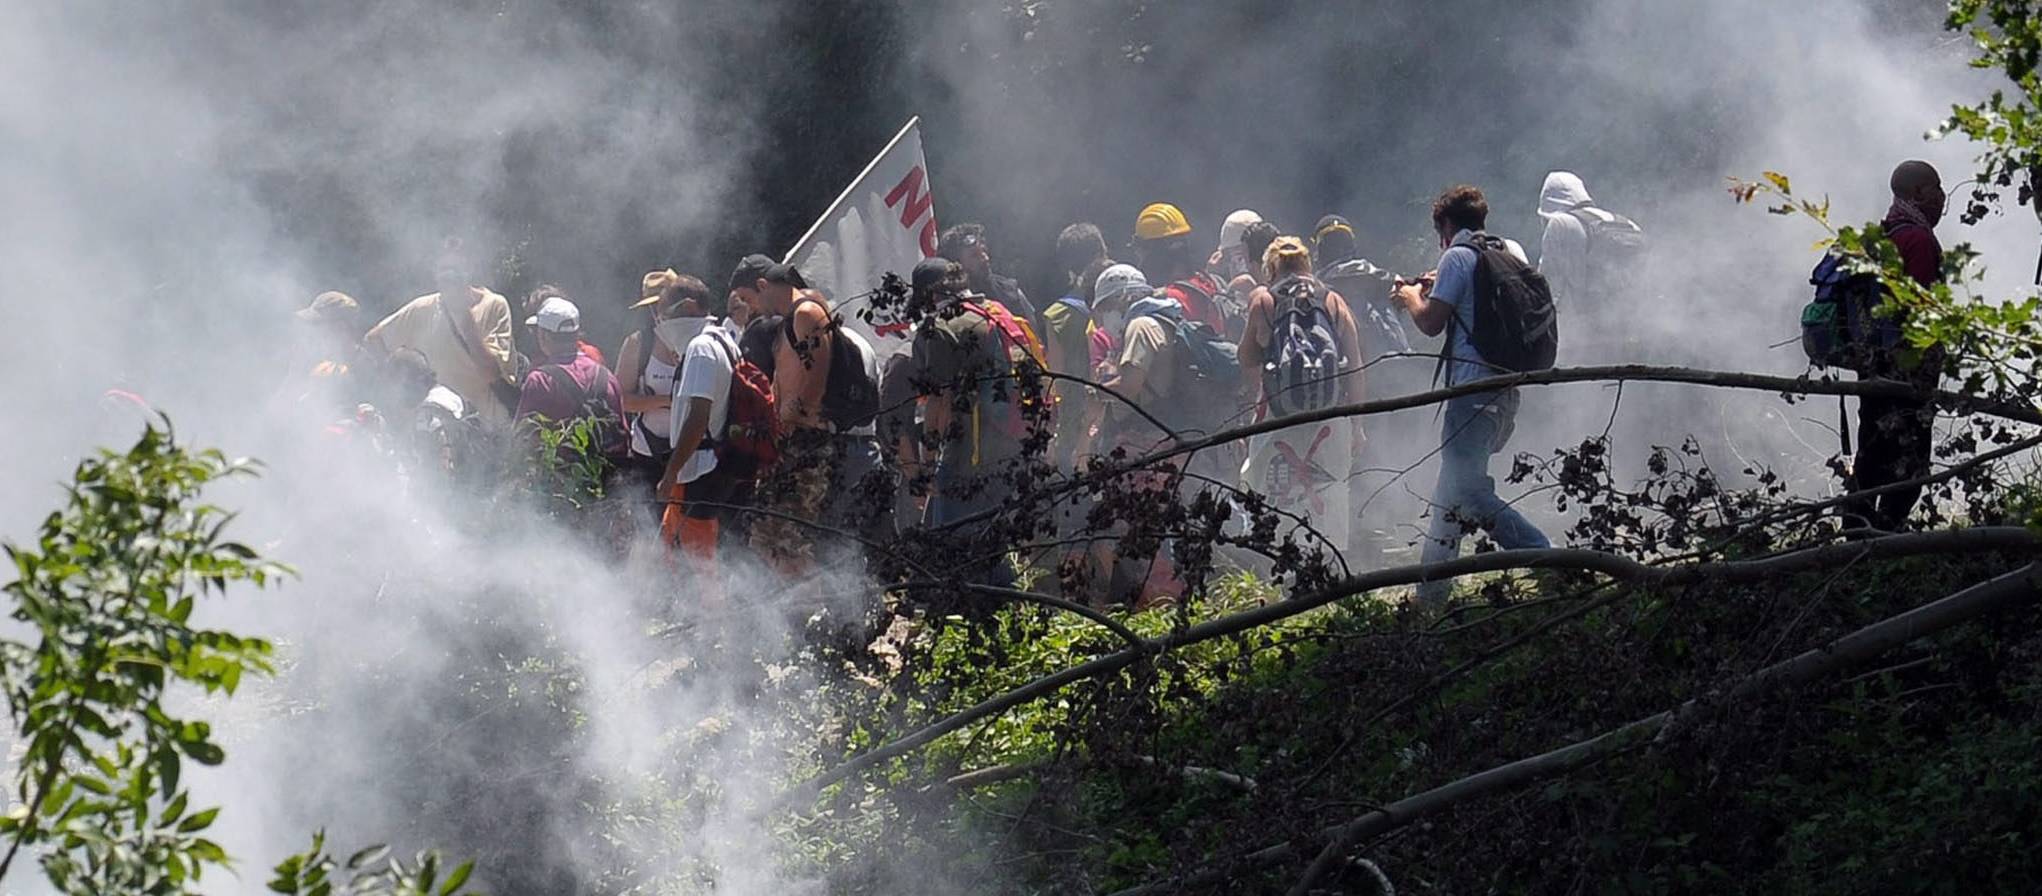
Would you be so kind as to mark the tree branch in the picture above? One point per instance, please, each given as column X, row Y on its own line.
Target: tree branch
column 1854, row 648
column 1818, row 662
column 1982, row 539
column 1616, row 373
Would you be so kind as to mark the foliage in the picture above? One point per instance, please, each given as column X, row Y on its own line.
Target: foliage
column 108, row 591
column 571, row 468
column 369, row 872
column 2008, row 36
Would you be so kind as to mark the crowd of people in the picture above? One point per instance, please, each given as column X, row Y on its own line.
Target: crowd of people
column 761, row 424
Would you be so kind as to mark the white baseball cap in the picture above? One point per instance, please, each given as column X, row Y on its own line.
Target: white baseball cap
column 556, row 315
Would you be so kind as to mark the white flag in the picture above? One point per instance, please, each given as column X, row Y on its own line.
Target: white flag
column 885, row 221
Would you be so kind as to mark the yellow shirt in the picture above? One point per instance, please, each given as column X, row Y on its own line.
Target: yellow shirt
column 421, row 325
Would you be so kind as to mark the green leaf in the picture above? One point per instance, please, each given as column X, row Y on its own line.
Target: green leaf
column 199, row 821
column 367, row 856
column 457, row 878
column 175, row 809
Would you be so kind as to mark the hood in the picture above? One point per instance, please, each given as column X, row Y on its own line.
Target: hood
column 1152, row 304
column 1563, row 190
column 1235, row 225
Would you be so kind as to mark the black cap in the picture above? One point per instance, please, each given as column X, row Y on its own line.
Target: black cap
column 753, row 268
column 930, row 272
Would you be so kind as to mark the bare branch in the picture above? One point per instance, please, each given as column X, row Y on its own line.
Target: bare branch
column 1982, row 539
column 1844, row 652
column 1857, row 647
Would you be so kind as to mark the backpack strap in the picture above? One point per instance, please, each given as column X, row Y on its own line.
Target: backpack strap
column 1843, row 426
column 730, row 353
column 564, row 379
column 787, row 324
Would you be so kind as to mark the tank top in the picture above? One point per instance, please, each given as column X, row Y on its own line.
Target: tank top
column 652, row 434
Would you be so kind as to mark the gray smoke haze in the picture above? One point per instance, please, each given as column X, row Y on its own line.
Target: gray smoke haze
column 148, row 243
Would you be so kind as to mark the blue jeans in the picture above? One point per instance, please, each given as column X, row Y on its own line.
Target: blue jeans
column 1466, row 495
column 958, row 495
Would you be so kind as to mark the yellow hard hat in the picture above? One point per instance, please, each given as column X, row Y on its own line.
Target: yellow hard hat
column 1160, row 221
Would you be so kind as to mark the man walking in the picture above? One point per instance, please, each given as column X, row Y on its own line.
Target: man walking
column 1477, row 426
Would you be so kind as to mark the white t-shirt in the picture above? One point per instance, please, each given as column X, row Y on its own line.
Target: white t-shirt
column 706, row 368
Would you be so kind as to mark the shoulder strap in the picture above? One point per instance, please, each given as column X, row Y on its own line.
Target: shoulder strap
column 724, row 341
column 564, row 378
column 787, row 324
column 648, row 342
column 480, row 357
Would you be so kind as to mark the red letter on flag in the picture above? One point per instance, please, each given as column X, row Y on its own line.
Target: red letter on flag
column 918, row 202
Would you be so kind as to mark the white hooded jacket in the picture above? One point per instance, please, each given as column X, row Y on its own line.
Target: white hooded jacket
column 1563, row 251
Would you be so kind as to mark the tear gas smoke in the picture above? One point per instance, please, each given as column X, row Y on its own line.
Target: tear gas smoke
column 179, row 177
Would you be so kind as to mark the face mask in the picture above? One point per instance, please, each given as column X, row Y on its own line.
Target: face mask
column 1113, row 322
column 1234, row 261
column 676, row 332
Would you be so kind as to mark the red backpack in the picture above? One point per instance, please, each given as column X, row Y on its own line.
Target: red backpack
column 750, row 442
column 1022, row 349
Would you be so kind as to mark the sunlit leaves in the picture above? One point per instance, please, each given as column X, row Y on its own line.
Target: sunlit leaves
column 105, row 597
column 369, row 872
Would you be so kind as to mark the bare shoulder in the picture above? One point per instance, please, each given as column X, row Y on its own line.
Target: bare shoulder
column 811, row 314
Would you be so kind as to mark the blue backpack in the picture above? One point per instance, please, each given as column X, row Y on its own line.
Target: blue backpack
column 1208, row 369
column 1839, row 327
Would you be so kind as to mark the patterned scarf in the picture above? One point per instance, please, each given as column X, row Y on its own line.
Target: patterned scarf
column 1905, row 210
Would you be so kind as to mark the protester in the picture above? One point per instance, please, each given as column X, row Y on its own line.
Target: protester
column 1162, row 249
column 647, row 377
column 826, row 393
column 1141, row 369
column 1191, row 357
column 1476, row 426
column 1255, row 240
column 900, row 439
column 1231, row 261
column 1381, row 323
column 464, row 331
column 966, row 244
column 443, row 443
column 980, row 371
column 1382, row 326
column 1117, row 288
column 538, row 297
column 1068, row 331
column 569, row 386
column 321, row 367
column 699, row 485
column 1896, row 435
column 1591, row 256
column 1301, row 353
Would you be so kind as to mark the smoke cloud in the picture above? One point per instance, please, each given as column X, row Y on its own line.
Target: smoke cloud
column 180, row 176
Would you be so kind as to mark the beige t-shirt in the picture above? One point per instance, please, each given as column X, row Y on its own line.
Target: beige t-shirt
column 420, row 324
column 1146, row 345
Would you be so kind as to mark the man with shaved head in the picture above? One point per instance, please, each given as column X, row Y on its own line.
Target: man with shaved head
column 1895, row 435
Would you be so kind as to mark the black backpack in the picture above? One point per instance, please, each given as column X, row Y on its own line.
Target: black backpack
column 1302, row 372
column 1515, row 327
column 850, row 398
